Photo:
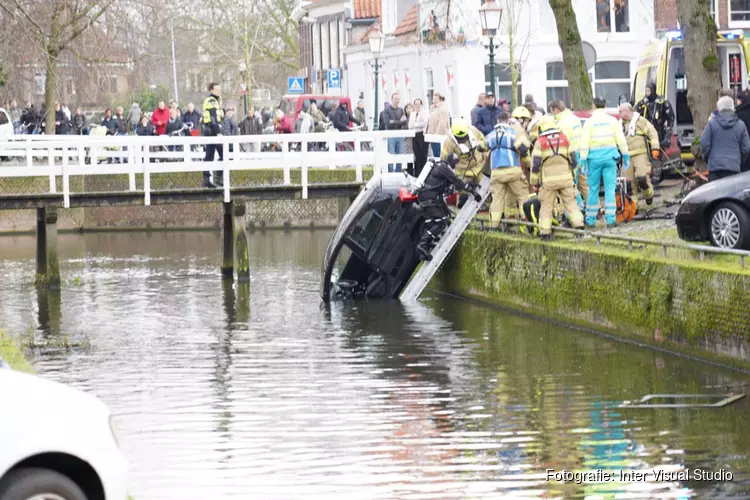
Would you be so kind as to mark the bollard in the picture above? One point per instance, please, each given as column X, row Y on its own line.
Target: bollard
column 227, row 241
column 241, row 247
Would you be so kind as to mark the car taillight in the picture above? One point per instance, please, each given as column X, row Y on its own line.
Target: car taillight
column 451, row 199
column 406, row 196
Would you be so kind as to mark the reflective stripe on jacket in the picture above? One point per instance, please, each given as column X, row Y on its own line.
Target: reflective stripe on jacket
column 602, row 138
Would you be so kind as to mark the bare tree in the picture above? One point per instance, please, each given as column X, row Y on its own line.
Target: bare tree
column 701, row 62
column 518, row 34
column 54, row 25
column 569, row 38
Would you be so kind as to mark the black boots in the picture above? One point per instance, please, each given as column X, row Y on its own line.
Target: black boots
column 423, row 251
column 207, row 182
column 219, row 178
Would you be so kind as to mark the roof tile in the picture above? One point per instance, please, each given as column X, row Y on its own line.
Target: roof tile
column 366, row 9
column 408, row 24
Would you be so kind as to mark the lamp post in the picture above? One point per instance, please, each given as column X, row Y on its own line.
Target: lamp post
column 243, row 70
column 490, row 14
column 377, row 44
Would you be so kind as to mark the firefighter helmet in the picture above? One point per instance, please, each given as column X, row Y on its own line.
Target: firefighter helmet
column 459, row 129
column 521, row 112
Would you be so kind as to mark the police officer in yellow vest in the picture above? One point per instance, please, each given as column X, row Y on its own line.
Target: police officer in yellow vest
column 213, row 115
column 554, row 162
column 470, row 146
column 642, row 137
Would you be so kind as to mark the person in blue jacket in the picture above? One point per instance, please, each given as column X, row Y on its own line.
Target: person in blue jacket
column 487, row 116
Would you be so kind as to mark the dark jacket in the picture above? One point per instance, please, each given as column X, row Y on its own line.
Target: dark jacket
column 475, row 114
column 123, row 125
column 439, row 180
column 392, row 118
column 79, row 123
column 725, row 143
column 487, row 118
column 341, row 119
column 228, row 126
column 250, row 126
column 62, row 126
column 148, row 129
column 193, row 118
column 112, row 124
column 743, row 113
column 175, row 125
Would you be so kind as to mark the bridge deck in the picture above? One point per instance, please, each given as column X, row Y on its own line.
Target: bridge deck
column 176, row 196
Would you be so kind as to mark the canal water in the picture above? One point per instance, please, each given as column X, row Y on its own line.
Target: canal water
column 257, row 391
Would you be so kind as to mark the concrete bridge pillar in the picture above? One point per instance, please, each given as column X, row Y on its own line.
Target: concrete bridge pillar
column 47, row 263
column 241, row 246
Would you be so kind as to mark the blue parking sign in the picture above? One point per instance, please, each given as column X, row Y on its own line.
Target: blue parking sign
column 296, row 85
column 334, row 78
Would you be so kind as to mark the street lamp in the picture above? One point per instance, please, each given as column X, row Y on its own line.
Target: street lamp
column 490, row 14
column 377, row 44
column 243, row 70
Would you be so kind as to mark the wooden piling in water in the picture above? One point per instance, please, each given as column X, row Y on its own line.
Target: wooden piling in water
column 241, row 247
column 47, row 262
column 227, row 237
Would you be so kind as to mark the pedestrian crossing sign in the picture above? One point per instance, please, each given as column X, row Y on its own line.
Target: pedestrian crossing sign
column 296, row 85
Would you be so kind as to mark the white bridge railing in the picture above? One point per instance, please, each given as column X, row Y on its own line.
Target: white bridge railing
column 66, row 156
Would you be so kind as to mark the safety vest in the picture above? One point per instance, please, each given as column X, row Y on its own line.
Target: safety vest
column 552, row 150
column 571, row 126
column 502, row 142
column 212, row 102
column 602, row 138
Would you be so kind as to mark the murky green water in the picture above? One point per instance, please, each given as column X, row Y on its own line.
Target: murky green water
column 236, row 391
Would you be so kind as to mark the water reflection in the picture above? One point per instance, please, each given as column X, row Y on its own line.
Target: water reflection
column 49, row 311
column 223, row 392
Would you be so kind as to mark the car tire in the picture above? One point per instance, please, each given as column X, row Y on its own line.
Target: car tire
column 729, row 226
column 22, row 484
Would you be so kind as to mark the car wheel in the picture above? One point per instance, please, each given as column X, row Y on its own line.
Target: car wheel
column 39, row 484
column 729, row 226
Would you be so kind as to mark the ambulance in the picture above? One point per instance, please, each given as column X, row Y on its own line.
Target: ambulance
column 663, row 63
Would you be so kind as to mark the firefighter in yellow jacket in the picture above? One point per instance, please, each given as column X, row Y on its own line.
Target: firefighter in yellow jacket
column 554, row 162
column 507, row 181
column 469, row 144
column 642, row 138
column 521, row 120
column 571, row 126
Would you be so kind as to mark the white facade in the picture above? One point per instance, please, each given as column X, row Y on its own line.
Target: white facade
column 328, row 20
column 459, row 71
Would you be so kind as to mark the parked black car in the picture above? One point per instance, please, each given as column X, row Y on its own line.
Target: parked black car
column 375, row 242
column 718, row 211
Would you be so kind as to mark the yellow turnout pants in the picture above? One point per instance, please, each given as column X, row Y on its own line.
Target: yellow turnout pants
column 548, row 194
column 639, row 175
column 509, row 191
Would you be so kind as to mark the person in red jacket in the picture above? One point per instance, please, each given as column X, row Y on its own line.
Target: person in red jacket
column 283, row 124
column 159, row 118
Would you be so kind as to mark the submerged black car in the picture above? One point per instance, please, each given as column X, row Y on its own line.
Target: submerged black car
column 375, row 242
column 718, row 212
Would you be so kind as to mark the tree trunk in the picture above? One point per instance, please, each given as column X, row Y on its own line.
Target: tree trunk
column 569, row 38
column 50, row 91
column 702, row 64
column 513, row 69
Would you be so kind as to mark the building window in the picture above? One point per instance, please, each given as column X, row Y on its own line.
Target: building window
column 609, row 12
column 333, row 29
column 503, row 83
column 325, row 46
column 39, row 81
column 429, row 85
column 712, row 7
column 557, row 83
column 611, row 79
column 739, row 11
column 70, row 88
